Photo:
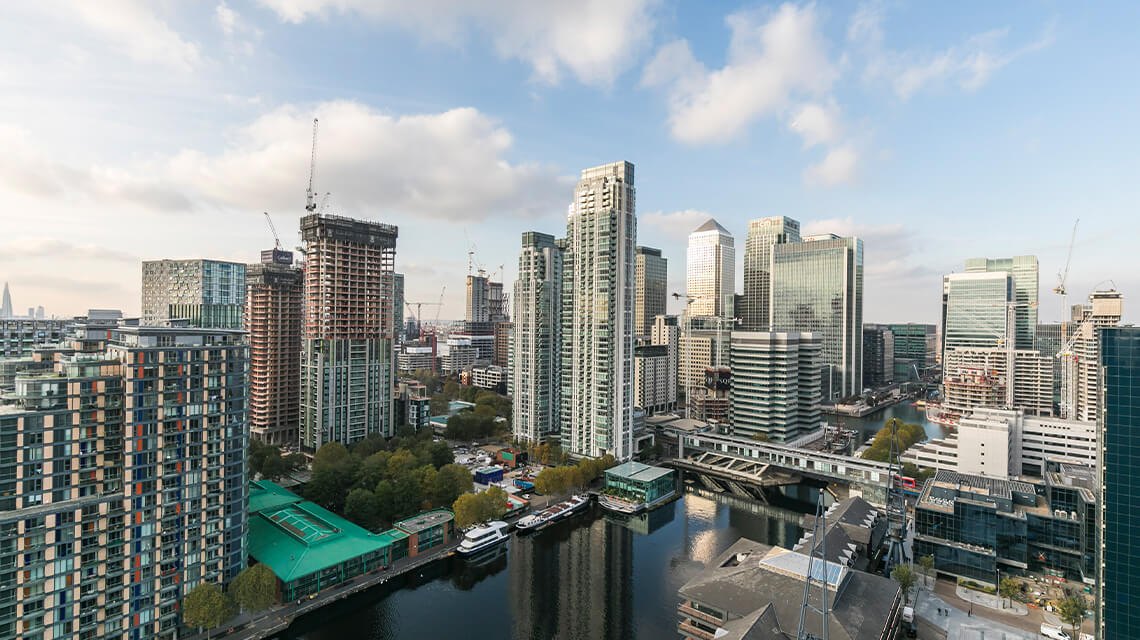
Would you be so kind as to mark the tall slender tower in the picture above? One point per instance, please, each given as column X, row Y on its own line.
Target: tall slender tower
column 597, row 360
column 348, row 370
column 6, row 305
column 710, row 265
column 274, row 302
column 536, row 363
column 763, row 234
column 651, row 275
column 1023, row 274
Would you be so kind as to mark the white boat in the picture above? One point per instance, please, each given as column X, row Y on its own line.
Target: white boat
column 483, row 537
column 533, row 521
column 575, row 504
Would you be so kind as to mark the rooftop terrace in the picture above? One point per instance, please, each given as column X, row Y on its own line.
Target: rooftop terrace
column 425, row 521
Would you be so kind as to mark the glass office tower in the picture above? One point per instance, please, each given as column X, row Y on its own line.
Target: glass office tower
column 817, row 286
column 1022, row 271
column 974, row 309
column 1118, row 613
column 763, row 234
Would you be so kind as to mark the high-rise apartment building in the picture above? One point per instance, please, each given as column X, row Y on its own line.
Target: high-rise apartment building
column 776, row 383
column 1024, row 286
column 651, row 281
column 208, row 293
column 763, row 234
column 1080, row 363
column 597, row 356
column 817, row 287
column 348, row 368
column 710, row 271
column 536, row 360
column 398, row 305
column 498, row 303
column 878, row 355
column 123, row 481
column 478, row 300
column 667, row 333
column 274, row 306
column 1119, row 540
column 502, row 342
column 980, row 377
column 651, row 379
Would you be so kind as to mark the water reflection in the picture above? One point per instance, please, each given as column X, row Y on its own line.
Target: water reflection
column 868, row 425
column 594, row 576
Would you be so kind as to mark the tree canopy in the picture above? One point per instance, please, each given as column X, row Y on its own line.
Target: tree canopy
column 880, row 448
column 255, row 588
column 379, row 481
column 472, row 508
column 558, row 480
column 207, row 607
column 1072, row 612
column 906, row 578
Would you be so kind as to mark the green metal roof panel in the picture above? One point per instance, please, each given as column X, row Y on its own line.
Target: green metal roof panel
column 264, row 494
column 301, row 538
column 637, row 471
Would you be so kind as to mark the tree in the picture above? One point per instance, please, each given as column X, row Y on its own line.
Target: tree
column 496, row 503
column 760, row 436
column 466, row 509
column 1072, row 612
column 360, row 507
column 255, row 588
column 330, row 454
column 438, row 405
column 440, row 454
column 927, row 564
column 386, row 501
column 408, row 496
column 449, row 483
column 274, row 467
column 1008, row 588
column 451, row 389
column 207, row 607
column 905, row 576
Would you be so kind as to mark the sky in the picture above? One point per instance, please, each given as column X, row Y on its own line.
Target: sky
column 136, row 130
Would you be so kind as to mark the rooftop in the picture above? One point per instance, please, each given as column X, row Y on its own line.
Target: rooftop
column 300, row 538
column 637, row 471
column 425, row 521
column 711, row 225
column 264, row 494
column 751, row 580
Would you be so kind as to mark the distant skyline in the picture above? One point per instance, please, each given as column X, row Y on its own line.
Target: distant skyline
column 163, row 130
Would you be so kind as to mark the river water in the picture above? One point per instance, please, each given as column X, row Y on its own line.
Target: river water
column 592, row 577
column 871, row 423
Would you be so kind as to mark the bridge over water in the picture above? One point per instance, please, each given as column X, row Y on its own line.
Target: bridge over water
column 743, row 466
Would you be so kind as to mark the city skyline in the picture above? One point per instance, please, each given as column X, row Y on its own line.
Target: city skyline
column 213, row 112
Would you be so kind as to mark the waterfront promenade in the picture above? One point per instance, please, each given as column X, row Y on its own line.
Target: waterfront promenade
column 263, row 624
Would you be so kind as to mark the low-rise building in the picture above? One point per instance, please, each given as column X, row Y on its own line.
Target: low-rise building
column 413, row 404
column 1003, row 443
column 428, row 530
column 753, row 591
column 459, row 357
column 854, row 530
column 19, row 335
column 490, row 377
column 640, row 484
column 977, row 528
column 413, row 358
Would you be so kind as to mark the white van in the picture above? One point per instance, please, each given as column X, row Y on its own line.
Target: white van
column 1054, row 633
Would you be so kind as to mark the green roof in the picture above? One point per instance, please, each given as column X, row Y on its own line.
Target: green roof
column 264, row 494
column 301, row 538
column 637, row 471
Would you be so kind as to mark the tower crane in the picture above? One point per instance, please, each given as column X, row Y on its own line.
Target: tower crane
column 310, row 205
column 1063, row 275
column 440, row 303
column 273, row 230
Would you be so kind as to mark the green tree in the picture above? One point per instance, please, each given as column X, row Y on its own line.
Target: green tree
column 386, row 500
column 259, row 452
column 760, row 436
column 374, row 469
column 1008, row 588
column 407, row 497
column 451, row 389
column 438, row 405
column 255, row 588
column 274, row 467
column 360, row 507
column 927, row 564
column 905, row 576
column 1072, row 612
column 368, row 446
column 329, row 455
column 495, row 501
column 207, row 607
column 440, row 454
column 449, row 483
column 467, row 510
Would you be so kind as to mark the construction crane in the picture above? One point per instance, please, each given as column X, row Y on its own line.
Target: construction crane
column 817, row 577
column 310, row 205
column 417, row 312
column 440, row 303
column 1063, row 275
column 273, row 230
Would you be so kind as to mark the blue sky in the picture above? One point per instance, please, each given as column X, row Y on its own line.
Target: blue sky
column 936, row 132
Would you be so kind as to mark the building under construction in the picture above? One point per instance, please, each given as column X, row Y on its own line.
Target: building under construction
column 348, row 367
column 274, row 303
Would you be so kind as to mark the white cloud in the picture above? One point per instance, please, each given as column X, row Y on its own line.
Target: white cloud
column 678, row 224
column 24, row 248
column 773, row 57
column 596, row 40
column 817, row 124
column 226, row 17
column 449, row 165
column 837, row 167
column 969, row 65
column 240, row 36
column 133, row 28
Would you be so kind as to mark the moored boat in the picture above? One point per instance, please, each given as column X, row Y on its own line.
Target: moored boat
column 483, row 537
column 532, row 522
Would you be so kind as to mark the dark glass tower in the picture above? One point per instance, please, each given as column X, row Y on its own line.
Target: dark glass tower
column 1119, row 597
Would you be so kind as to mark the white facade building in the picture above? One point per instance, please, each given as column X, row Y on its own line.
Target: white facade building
column 598, row 310
column 651, row 383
